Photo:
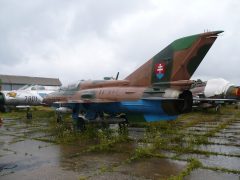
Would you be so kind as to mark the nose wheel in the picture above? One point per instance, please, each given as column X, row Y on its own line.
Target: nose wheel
column 29, row 114
column 218, row 107
column 59, row 118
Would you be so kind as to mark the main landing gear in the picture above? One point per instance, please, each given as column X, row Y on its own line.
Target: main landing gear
column 123, row 125
column 102, row 122
column 81, row 118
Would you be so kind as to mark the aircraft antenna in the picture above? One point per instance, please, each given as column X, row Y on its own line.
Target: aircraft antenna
column 117, row 76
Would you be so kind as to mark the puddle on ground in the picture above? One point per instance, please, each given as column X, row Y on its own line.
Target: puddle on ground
column 22, row 156
column 92, row 163
column 44, row 172
column 203, row 174
column 116, row 176
column 153, row 168
column 29, row 154
column 88, row 164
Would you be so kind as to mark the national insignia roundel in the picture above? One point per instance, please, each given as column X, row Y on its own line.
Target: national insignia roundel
column 160, row 69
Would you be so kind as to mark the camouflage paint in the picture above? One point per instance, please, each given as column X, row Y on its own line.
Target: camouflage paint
column 158, row 90
column 181, row 58
column 184, row 43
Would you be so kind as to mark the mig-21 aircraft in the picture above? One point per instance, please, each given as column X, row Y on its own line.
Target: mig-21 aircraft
column 158, row 90
column 26, row 96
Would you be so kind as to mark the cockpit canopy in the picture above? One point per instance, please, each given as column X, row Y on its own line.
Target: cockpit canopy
column 72, row 87
column 32, row 87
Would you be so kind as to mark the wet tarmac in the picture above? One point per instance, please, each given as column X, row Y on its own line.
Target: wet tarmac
column 27, row 151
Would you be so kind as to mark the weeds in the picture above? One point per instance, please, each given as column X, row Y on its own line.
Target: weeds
column 141, row 152
column 107, row 140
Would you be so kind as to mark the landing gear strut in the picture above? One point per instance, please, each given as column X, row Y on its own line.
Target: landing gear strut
column 28, row 114
column 59, row 117
column 80, row 124
column 123, row 125
column 217, row 108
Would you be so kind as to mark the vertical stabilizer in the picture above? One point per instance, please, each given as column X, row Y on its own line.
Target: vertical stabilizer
column 178, row 61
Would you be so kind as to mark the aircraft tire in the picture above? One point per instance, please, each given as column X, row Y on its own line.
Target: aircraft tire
column 81, row 124
column 123, row 126
column 59, row 118
column 29, row 115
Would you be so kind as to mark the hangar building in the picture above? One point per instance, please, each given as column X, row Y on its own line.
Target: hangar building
column 12, row 82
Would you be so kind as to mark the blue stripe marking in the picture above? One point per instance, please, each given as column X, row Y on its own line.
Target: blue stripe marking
column 152, row 110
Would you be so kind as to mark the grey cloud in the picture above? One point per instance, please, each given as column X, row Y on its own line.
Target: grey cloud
column 133, row 31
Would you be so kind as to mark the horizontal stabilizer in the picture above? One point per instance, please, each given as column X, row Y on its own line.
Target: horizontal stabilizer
column 213, row 99
column 175, row 83
column 161, row 98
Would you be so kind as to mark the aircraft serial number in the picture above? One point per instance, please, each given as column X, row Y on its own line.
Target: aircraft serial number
column 31, row 98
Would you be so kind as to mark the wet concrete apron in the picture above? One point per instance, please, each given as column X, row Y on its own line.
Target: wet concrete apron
column 24, row 156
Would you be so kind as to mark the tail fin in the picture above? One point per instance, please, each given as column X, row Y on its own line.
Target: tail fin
column 178, row 61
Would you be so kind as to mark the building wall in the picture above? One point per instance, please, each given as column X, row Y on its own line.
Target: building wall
column 13, row 82
column 6, row 87
column 9, row 87
column 16, row 86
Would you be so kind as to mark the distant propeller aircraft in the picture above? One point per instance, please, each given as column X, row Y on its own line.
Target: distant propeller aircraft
column 158, row 90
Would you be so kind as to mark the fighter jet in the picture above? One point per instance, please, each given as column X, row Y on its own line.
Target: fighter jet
column 157, row 90
column 213, row 93
column 29, row 95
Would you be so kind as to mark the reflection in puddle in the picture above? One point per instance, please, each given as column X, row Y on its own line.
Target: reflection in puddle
column 153, row 168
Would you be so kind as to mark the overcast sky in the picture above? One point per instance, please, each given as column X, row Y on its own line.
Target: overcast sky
column 89, row 39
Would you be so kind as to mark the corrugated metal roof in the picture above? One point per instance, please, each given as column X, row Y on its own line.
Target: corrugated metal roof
column 12, row 79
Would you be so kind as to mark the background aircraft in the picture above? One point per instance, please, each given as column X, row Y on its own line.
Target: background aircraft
column 29, row 95
column 158, row 90
column 214, row 92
